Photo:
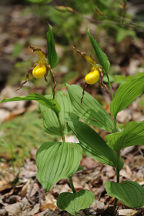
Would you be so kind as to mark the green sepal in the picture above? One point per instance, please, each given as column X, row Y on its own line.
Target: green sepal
column 101, row 56
column 52, row 54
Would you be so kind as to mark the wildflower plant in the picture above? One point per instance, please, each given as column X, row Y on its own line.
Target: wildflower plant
column 77, row 111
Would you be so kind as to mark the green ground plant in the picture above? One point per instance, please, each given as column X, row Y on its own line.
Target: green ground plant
column 15, row 151
column 78, row 111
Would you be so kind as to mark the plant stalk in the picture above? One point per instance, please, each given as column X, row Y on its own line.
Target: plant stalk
column 74, row 191
column 53, row 83
column 71, row 185
column 110, row 86
column 118, row 176
column 61, row 128
column 115, row 125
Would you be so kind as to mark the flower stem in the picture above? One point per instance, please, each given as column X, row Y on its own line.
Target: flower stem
column 53, row 83
column 110, row 86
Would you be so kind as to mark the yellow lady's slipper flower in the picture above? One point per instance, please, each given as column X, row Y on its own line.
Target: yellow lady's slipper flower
column 92, row 77
column 41, row 68
column 96, row 73
column 39, row 71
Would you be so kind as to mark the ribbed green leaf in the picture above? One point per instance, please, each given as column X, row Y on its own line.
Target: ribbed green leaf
column 49, row 117
column 129, row 193
column 74, row 202
column 127, row 93
column 132, row 134
column 93, row 143
column 90, row 110
column 49, row 103
column 101, row 56
column 56, row 161
column 52, row 55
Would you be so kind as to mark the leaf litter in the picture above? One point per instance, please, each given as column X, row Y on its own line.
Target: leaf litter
column 26, row 196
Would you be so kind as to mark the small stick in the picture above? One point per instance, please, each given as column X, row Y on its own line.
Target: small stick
column 25, row 81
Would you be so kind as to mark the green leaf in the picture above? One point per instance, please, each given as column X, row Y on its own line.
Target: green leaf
column 90, row 110
column 50, row 118
column 56, row 161
column 49, row 103
column 93, row 143
column 131, row 135
column 52, row 55
column 129, row 193
column 127, row 93
column 101, row 56
column 74, row 202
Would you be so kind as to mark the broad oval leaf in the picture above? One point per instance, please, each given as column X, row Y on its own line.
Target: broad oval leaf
column 89, row 110
column 132, row 134
column 52, row 55
column 129, row 193
column 49, row 103
column 74, row 202
column 101, row 56
column 56, row 161
column 93, row 143
column 127, row 93
column 50, row 120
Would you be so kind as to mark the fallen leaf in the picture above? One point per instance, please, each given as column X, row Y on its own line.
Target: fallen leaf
column 127, row 212
column 4, row 185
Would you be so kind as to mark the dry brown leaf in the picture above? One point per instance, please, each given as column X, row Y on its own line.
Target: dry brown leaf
column 50, row 203
column 4, row 185
column 16, row 208
column 45, row 206
column 127, row 212
column 23, row 192
column 34, row 210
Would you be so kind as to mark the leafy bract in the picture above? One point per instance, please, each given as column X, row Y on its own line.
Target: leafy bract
column 128, row 192
column 89, row 110
column 93, row 143
column 52, row 55
column 74, row 202
column 132, row 134
column 49, row 103
column 101, row 56
column 50, row 118
column 127, row 93
column 56, row 161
